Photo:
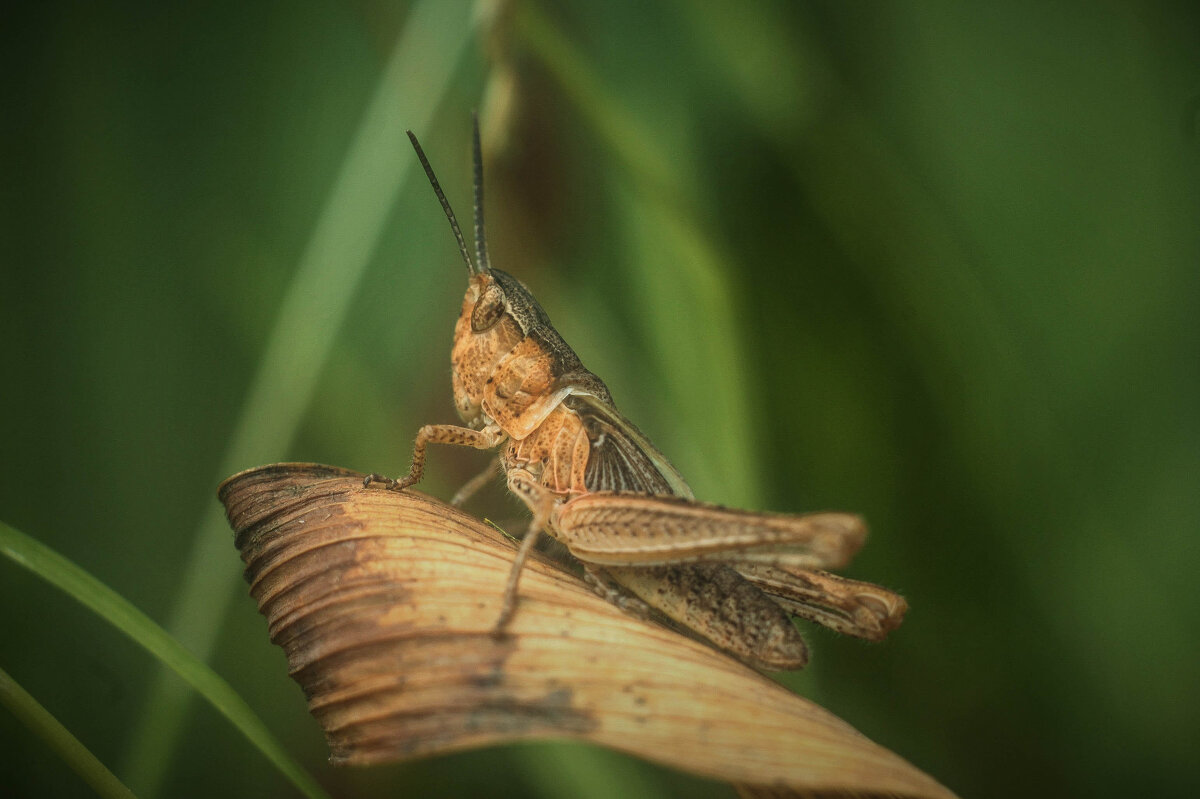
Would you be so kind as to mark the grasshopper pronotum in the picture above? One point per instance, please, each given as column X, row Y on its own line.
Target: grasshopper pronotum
column 596, row 483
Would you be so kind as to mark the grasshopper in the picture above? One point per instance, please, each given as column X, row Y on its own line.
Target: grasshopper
column 593, row 481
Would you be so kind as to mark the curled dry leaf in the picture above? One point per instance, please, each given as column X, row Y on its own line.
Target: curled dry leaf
column 385, row 602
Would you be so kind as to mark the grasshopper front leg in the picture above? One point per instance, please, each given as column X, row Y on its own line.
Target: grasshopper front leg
column 489, row 437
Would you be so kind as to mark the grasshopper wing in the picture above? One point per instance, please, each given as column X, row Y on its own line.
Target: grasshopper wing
column 863, row 610
column 615, row 529
column 620, row 456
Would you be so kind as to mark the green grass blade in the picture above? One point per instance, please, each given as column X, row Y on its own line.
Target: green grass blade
column 31, row 713
column 57, row 570
column 431, row 45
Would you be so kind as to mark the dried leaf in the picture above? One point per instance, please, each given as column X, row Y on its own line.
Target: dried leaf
column 385, row 602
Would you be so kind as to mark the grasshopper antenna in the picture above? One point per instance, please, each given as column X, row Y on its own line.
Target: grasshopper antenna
column 437, row 189
column 481, row 252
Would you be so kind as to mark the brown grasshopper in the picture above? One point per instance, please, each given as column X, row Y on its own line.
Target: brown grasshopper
column 593, row 481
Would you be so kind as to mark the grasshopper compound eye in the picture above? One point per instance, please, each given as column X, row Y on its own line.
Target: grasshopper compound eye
column 488, row 309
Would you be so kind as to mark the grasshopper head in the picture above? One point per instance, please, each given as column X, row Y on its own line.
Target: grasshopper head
column 499, row 315
column 485, row 329
column 484, row 333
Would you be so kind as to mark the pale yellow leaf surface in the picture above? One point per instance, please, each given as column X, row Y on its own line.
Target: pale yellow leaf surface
column 385, row 602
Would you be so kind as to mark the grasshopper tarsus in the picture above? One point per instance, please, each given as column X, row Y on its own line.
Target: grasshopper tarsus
column 375, row 477
column 388, row 483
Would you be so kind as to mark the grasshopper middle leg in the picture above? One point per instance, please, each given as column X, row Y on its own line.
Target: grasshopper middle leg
column 472, row 486
column 541, row 502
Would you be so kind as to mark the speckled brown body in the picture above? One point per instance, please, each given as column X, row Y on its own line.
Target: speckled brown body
column 515, row 375
column 595, row 482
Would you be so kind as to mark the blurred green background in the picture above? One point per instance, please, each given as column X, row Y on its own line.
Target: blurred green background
column 933, row 263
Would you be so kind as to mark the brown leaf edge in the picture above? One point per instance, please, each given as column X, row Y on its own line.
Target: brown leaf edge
column 384, row 603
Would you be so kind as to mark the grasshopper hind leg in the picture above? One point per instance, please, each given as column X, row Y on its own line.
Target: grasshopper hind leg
column 615, row 593
column 714, row 603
